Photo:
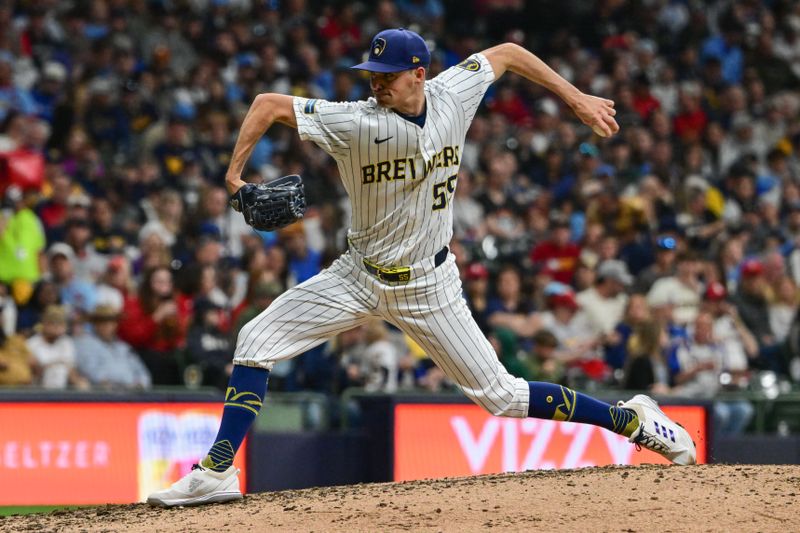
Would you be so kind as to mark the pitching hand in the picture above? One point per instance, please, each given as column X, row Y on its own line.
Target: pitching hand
column 598, row 113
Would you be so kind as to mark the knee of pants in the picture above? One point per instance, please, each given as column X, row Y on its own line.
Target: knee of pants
column 499, row 403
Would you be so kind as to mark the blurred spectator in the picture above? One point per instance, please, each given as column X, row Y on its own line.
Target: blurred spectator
column 739, row 347
column 167, row 219
column 682, row 290
column 751, row 302
column 87, row 263
column 52, row 210
column 154, row 322
column 645, row 366
column 12, row 97
column 107, row 362
column 701, row 361
column 691, row 120
column 476, row 293
column 725, row 47
column 698, row 222
column 22, row 242
column 349, row 348
column 15, row 358
column 509, row 298
column 53, row 352
column 105, row 121
column 616, row 343
column 543, row 362
column 506, row 346
column 45, row 293
column 498, row 204
column 382, row 359
column 664, row 265
column 783, row 309
column 219, row 219
column 557, row 257
column 215, row 150
column 303, row 261
column 153, row 252
column 8, row 321
column 49, row 91
column 116, row 283
column 208, row 345
column 108, row 236
column 78, row 295
column 468, row 219
column 604, row 303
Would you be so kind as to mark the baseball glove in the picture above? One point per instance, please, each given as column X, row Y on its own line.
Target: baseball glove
column 273, row 205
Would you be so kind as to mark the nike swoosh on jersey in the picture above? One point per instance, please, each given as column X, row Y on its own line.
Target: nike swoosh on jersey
column 379, row 141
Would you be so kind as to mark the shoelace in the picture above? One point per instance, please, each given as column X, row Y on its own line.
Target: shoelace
column 649, row 441
column 197, row 467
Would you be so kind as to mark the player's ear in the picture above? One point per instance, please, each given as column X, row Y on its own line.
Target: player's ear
column 419, row 73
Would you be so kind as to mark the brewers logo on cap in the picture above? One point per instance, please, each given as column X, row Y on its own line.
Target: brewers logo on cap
column 378, row 46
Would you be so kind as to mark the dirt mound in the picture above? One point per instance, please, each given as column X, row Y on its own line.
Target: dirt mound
column 646, row 498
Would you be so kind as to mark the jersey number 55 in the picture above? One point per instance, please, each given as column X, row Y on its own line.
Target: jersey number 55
column 443, row 192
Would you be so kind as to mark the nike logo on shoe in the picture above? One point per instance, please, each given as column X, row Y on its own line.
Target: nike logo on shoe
column 193, row 484
column 379, row 141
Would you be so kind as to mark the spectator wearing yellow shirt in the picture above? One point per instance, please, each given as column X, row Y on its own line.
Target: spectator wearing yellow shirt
column 22, row 241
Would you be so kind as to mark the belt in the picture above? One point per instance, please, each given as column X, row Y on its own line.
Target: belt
column 401, row 274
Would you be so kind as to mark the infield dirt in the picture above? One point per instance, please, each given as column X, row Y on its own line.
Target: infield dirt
column 723, row 498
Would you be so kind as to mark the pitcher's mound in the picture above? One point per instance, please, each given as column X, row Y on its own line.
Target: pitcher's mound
column 644, row 499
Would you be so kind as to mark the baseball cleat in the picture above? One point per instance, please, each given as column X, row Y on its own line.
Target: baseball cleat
column 658, row 433
column 198, row 487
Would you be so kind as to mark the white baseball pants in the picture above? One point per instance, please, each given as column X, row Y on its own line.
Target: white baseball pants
column 430, row 309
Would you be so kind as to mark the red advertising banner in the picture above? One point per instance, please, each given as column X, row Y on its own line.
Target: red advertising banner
column 93, row 453
column 435, row 440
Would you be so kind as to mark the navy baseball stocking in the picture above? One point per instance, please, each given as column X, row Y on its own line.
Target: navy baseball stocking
column 556, row 402
column 246, row 390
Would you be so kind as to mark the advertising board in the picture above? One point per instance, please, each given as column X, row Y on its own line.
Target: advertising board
column 93, row 453
column 445, row 440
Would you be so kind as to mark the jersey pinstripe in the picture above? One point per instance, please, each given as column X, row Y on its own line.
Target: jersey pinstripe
column 401, row 209
column 400, row 179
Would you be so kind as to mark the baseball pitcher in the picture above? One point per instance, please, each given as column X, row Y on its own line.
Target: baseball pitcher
column 398, row 155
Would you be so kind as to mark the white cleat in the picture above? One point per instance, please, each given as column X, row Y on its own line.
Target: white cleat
column 658, row 433
column 198, row 487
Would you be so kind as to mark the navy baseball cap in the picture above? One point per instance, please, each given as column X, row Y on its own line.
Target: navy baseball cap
column 396, row 50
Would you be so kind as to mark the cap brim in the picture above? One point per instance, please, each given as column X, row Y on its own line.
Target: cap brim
column 374, row 66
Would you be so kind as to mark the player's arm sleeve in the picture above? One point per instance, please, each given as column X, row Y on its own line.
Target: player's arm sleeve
column 328, row 124
column 468, row 81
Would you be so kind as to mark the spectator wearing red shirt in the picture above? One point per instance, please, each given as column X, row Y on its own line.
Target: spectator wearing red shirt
column 154, row 322
column 643, row 100
column 691, row 120
column 342, row 24
column 509, row 104
column 557, row 256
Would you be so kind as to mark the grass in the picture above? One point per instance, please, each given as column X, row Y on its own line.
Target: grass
column 30, row 509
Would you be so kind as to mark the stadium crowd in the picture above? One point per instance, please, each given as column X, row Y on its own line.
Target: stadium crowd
column 665, row 258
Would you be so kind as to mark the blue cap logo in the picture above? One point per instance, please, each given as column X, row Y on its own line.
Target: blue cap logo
column 378, row 46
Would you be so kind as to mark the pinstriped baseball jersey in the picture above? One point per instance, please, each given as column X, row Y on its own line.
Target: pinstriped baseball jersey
column 400, row 177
